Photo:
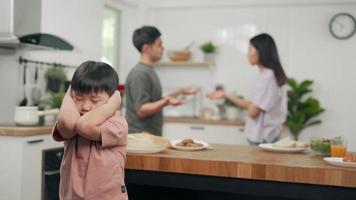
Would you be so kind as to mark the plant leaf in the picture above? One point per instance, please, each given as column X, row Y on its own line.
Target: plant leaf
column 301, row 111
column 292, row 83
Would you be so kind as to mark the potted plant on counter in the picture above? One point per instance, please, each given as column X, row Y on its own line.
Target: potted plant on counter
column 302, row 110
column 209, row 50
column 55, row 78
column 232, row 111
column 57, row 99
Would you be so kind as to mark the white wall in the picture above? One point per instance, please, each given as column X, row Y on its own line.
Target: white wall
column 81, row 30
column 80, row 23
column 300, row 28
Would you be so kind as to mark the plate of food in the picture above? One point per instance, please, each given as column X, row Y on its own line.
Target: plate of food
column 146, row 143
column 285, row 145
column 348, row 161
column 145, row 150
column 189, row 145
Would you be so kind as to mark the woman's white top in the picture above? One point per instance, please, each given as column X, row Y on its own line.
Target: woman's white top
column 272, row 100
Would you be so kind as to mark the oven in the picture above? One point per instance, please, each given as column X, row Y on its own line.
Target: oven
column 51, row 163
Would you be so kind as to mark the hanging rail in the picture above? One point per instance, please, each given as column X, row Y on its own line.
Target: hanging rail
column 54, row 64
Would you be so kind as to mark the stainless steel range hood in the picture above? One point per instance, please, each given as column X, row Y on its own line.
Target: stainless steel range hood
column 35, row 41
column 20, row 26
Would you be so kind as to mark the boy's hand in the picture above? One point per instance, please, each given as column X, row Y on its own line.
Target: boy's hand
column 68, row 116
column 89, row 124
column 115, row 100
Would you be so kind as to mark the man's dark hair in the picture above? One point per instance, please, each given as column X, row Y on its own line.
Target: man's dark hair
column 94, row 77
column 145, row 35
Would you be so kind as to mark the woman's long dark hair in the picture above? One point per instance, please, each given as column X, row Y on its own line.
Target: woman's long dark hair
column 268, row 56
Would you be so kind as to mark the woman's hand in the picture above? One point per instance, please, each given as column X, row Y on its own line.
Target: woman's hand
column 217, row 94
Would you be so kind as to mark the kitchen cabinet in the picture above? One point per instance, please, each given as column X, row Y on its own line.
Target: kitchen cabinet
column 20, row 16
column 21, row 166
column 211, row 133
column 5, row 17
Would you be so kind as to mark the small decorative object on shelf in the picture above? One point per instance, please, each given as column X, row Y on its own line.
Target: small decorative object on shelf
column 179, row 55
column 209, row 50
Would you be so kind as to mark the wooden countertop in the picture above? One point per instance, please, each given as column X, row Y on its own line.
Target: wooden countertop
column 23, row 131
column 193, row 120
column 246, row 162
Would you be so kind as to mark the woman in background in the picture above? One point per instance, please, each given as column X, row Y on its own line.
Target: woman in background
column 267, row 109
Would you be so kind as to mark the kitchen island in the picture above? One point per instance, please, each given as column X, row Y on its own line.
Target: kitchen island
column 236, row 172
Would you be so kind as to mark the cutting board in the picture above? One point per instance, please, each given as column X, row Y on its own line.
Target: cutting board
column 23, row 131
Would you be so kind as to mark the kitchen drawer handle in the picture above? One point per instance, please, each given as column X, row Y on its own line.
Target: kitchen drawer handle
column 34, row 141
column 197, row 127
column 50, row 173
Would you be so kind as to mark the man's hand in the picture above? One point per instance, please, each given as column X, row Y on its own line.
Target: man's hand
column 217, row 94
column 184, row 91
column 174, row 101
column 189, row 90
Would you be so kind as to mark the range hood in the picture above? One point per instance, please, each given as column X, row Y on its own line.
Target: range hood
column 20, row 26
column 35, row 41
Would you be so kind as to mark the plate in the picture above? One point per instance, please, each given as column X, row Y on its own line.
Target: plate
column 338, row 162
column 269, row 147
column 145, row 150
column 175, row 142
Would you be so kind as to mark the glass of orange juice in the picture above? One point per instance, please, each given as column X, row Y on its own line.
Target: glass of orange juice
column 338, row 147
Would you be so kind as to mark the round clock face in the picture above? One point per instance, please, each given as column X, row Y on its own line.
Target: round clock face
column 342, row 26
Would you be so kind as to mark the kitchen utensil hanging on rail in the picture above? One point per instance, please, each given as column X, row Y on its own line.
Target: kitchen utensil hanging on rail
column 36, row 91
column 24, row 100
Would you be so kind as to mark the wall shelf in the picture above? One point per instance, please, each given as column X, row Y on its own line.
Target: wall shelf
column 183, row 63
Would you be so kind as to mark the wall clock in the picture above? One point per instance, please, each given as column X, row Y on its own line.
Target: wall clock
column 342, row 26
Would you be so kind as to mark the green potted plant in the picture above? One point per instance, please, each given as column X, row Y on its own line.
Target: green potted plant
column 209, row 50
column 55, row 78
column 57, row 99
column 302, row 108
column 232, row 111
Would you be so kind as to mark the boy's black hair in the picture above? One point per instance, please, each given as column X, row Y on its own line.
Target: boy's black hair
column 93, row 76
column 145, row 35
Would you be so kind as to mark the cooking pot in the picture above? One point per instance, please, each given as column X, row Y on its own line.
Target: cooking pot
column 29, row 115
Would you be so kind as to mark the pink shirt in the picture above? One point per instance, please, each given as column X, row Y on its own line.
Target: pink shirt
column 272, row 100
column 94, row 170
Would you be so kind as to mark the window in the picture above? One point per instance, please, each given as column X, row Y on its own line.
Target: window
column 110, row 36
